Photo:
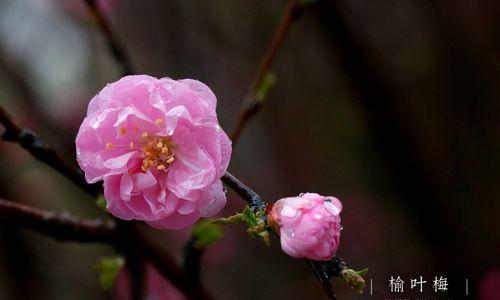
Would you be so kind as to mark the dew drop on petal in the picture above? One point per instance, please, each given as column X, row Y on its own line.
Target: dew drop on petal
column 288, row 211
column 290, row 232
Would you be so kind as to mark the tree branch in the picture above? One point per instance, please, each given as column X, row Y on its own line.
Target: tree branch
column 252, row 198
column 114, row 46
column 42, row 151
column 61, row 226
column 249, row 105
column 168, row 267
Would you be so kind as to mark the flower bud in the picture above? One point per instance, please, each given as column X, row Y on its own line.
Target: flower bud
column 308, row 225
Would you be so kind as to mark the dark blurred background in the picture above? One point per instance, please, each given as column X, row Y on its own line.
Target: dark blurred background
column 392, row 106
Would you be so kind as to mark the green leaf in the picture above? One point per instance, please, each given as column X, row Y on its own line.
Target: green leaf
column 101, row 202
column 268, row 81
column 234, row 219
column 362, row 272
column 249, row 217
column 354, row 279
column 108, row 268
column 206, row 233
column 255, row 222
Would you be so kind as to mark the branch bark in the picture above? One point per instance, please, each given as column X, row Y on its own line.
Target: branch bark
column 115, row 48
column 249, row 105
column 247, row 194
column 30, row 218
column 61, row 226
column 42, row 151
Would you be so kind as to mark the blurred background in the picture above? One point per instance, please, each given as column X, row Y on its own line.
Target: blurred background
column 392, row 106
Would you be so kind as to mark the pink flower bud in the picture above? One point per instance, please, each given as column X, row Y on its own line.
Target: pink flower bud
column 308, row 225
column 158, row 147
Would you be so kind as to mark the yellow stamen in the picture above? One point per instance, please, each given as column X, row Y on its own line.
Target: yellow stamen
column 158, row 122
column 109, row 145
column 158, row 153
column 124, row 130
column 144, row 134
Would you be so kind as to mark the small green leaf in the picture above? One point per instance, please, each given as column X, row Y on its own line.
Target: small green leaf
column 101, row 202
column 255, row 222
column 234, row 219
column 362, row 272
column 108, row 268
column 354, row 279
column 268, row 81
column 249, row 217
column 206, row 233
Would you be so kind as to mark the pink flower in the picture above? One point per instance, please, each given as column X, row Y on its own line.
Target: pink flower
column 158, row 147
column 308, row 225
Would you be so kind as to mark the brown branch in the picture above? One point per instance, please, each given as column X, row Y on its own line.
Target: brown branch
column 114, row 46
column 168, row 267
column 251, row 197
column 66, row 227
column 61, row 226
column 249, row 105
column 42, row 151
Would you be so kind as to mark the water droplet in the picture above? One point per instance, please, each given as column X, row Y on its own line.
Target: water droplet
column 290, row 232
column 224, row 190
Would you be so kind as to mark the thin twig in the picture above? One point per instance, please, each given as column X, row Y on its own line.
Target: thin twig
column 114, row 46
column 251, row 197
column 61, row 226
column 42, row 151
column 249, row 105
column 323, row 279
column 168, row 267
column 192, row 259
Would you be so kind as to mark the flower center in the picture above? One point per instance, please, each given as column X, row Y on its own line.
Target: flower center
column 158, row 152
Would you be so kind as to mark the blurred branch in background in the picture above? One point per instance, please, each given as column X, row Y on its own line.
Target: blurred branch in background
column 192, row 255
column 115, row 48
column 127, row 236
column 20, row 86
column 392, row 135
column 250, row 106
column 61, row 226
column 42, row 151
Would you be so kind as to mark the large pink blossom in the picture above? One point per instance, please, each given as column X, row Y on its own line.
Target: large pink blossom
column 158, row 147
column 308, row 225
